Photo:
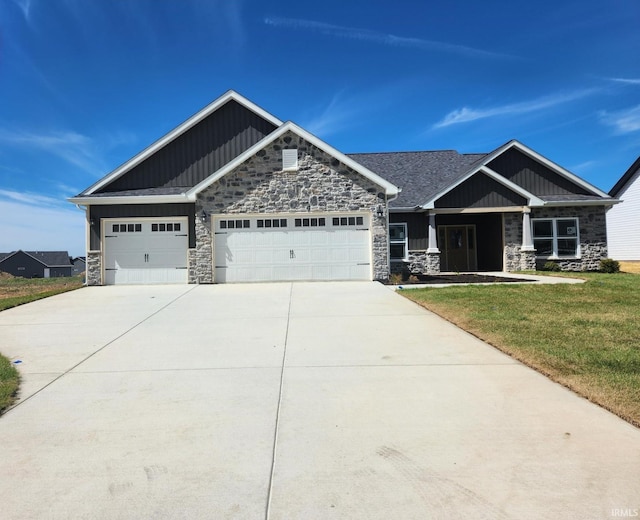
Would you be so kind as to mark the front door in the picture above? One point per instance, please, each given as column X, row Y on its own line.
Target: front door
column 458, row 248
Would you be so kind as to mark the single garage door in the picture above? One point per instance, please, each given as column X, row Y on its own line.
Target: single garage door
column 292, row 247
column 145, row 251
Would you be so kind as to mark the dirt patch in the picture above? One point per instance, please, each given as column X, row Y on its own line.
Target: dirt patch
column 456, row 278
column 630, row 267
column 14, row 286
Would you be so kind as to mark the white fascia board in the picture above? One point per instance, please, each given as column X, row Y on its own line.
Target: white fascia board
column 573, row 203
column 533, row 200
column 179, row 130
column 552, row 166
column 135, row 199
column 390, row 189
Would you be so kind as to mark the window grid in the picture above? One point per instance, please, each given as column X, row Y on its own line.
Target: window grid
column 398, row 242
column 162, row 227
column 556, row 237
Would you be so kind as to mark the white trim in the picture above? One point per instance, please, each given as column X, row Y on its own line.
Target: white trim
column 554, row 238
column 133, row 199
column 404, row 241
column 389, row 188
column 555, row 167
column 179, row 130
column 533, row 200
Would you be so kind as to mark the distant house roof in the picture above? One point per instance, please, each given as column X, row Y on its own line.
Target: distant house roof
column 420, row 175
column 626, row 177
column 47, row 258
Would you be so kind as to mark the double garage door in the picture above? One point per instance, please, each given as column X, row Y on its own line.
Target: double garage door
column 292, row 247
column 145, row 251
column 248, row 249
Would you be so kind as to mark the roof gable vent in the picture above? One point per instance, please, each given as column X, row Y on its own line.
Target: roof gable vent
column 290, row 159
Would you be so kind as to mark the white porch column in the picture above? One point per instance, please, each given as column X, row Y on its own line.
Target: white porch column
column 433, row 236
column 527, row 239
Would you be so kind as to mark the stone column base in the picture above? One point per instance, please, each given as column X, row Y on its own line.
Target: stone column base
column 93, row 274
column 433, row 263
column 528, row 260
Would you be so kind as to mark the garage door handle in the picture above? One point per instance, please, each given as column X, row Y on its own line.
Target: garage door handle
column 291, row 253
column 146, row 257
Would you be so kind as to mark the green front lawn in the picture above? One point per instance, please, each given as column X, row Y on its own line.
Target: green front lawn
column 585, row 336
column 9, row 380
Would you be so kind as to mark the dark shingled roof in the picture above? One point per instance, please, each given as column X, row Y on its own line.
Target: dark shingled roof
column 48, row 258
column 420, row 175
column 51, row 258
column 626, row 177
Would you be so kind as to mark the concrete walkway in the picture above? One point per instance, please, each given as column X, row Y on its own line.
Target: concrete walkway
column 291, row 401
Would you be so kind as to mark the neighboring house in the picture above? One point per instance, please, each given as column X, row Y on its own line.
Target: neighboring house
column 623, row 219
column 79, row 265
column 234, row 194
column 36, row 264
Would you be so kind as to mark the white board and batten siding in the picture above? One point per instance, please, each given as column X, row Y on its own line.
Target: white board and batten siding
column 145, row 251
column 623, row 223
column 292, row 247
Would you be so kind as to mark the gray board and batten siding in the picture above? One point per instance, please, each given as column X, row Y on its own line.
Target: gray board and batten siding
column 480, row 191
column 198, row 152
column 99, row 212
column 534, row 177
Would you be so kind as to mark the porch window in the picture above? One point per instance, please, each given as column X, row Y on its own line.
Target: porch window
column 556, row 237
column 398, row 243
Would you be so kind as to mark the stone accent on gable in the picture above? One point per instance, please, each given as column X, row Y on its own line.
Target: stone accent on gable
column 94, row 268
column 321, row 184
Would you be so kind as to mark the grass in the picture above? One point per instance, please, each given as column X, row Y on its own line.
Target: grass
column 17, row 291
column 584, row 336
column 9, row 380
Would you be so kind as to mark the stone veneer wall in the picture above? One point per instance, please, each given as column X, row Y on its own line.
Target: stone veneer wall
column 593, row 238
column 593, row 235
column 418, row 262
column 321, row 184
column 94, row 268
column 512, row 241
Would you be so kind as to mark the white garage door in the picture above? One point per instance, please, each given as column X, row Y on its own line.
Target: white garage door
column 146, row 251
column 292, row 247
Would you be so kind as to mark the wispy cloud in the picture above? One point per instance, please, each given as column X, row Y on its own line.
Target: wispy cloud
column 72, row 147
column 626, row 81
column 25, row 7
column 623, row 121
column 349, row 109
column 355, row 33
column 32, row 198
column 36, row 222
column 467, row 115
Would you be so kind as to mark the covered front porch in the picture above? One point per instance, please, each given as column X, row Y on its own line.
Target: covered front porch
column 462, row 240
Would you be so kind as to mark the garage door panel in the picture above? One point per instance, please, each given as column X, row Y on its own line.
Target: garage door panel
column 145, row 252
column 305, row 249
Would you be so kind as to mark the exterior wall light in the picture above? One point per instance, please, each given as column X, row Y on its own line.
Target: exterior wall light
column 380, row 211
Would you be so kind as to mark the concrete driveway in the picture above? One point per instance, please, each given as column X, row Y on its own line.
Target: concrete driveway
column 291, row 401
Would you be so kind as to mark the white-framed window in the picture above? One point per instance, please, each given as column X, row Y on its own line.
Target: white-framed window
column 556, row 237
column 398, row 242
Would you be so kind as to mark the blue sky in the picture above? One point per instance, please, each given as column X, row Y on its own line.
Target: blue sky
column 86, row 84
